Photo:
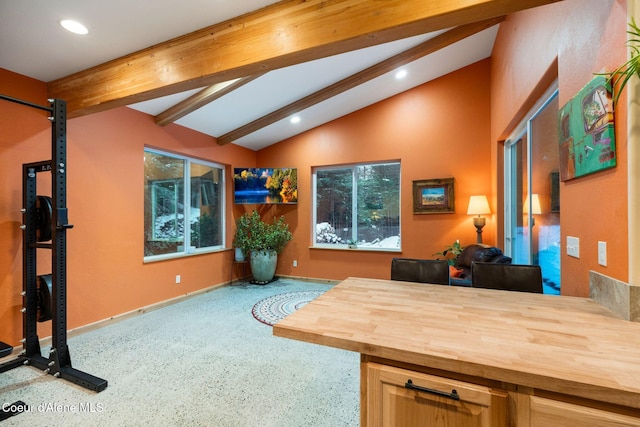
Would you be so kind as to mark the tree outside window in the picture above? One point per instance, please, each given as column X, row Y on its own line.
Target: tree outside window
column 358, row 205
column 184, row 205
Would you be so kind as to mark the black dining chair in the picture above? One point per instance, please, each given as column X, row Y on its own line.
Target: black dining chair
column 420, row 270
column 508, row 277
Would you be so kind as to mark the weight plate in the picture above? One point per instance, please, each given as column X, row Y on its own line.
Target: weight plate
column 44, row 213
column 44, row 297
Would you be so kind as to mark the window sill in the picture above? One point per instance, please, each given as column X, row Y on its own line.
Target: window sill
column 358, row 249
column 166, row 257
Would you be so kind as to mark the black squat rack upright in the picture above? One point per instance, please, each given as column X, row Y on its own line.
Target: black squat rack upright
column 45, row 225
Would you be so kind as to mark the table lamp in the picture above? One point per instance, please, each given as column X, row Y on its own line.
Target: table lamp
column 479, row 205
column 535, row 207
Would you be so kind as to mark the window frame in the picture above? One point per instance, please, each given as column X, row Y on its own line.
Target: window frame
column 187, row 248
column 354, row 202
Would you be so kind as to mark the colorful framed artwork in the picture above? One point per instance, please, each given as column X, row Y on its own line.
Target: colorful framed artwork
column 586, row 131
column 433, row 196
column 265, row 186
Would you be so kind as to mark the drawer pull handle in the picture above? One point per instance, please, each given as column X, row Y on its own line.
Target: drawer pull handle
column 453, row 395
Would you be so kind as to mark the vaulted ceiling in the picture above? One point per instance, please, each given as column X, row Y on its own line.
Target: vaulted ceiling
column 239, row 70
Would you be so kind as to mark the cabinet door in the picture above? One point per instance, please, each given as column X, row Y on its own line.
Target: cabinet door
column 547, row 412
column 398, row 397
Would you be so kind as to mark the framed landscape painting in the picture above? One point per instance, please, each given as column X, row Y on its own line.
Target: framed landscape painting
column 431, row 196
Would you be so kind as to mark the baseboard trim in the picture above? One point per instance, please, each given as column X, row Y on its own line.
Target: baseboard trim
column 44, row 342
column 310, row 279
column 139, row 311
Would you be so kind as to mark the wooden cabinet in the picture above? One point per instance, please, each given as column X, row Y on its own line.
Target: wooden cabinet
column 397, row 397
column 545, row 412
column 407, row 396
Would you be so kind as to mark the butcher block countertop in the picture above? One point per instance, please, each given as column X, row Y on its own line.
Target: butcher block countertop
column 562, row 344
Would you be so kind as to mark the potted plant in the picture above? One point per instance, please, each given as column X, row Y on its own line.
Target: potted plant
column 241, row 237
column 262, row 242
column 621, row 75
column 451, row 253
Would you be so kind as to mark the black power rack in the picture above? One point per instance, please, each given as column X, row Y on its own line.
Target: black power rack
column 45, row 225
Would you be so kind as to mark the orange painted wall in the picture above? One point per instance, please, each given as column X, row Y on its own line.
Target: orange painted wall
column 586, row 37
column 106, row 273
column 438, row 130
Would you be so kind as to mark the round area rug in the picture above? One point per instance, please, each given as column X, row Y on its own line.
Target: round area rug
column 275, row 308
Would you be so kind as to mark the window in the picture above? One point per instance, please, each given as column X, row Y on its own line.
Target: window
column 183, row 205
column 357, row 205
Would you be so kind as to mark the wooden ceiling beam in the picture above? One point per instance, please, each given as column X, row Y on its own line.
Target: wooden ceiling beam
column 283, row 34
column 201, row 99
column 430, row 46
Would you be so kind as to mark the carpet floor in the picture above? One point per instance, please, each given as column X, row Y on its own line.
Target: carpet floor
column 204, row 361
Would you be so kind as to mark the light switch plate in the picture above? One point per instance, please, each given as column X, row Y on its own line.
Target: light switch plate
column 602, row 253
column 573, row 246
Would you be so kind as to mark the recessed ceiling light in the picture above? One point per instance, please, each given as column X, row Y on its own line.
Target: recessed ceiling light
column 401, row 74
column 295, row 119
column 74, row 26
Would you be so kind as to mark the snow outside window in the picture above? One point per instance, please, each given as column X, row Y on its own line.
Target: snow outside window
column 183, row 206
column 357, row 206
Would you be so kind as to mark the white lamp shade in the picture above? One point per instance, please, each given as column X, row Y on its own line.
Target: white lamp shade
column 478, row 205
column 535, row 205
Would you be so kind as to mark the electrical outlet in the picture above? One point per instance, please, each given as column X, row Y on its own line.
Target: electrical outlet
column 178, row 278
column 573, row 246
column 295, row 262
column 602, row 253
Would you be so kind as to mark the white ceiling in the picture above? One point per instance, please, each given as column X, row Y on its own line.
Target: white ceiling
column 33, row 44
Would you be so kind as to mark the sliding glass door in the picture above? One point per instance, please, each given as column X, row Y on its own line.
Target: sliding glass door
column 532, row 207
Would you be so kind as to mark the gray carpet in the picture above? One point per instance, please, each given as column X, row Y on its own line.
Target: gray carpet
column 201, row 362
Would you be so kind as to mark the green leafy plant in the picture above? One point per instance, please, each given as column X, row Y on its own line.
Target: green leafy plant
column 241, row 237
column 619, row 77
column 451, row 253
column 253, row 234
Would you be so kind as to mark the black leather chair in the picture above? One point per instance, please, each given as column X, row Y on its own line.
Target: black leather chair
column 508, row 277
column 420, row 270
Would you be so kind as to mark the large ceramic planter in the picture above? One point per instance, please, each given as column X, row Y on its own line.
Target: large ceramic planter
column 263, row 265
